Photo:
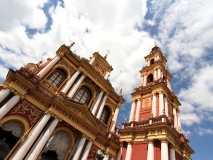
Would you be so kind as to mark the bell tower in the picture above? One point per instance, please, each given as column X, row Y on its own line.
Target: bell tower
column 154, row 129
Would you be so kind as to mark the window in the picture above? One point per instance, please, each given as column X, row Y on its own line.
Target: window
column 105, row 115
column 57, row 77
column 150, row 78
column 152, row 61
column 82, row 96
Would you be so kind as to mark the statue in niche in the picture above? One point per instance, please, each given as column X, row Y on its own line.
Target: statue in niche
column 100, row 154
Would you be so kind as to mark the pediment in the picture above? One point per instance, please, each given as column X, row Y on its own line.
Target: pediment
column 81, row 111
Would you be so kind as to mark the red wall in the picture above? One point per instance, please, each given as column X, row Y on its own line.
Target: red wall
column 139, row 151
column 157, row 150
column 177, row 156
column 123, row 155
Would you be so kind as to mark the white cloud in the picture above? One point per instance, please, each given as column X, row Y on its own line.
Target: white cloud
column 204, row 131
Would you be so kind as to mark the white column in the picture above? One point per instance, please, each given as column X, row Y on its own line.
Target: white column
column 129, row 151
column 169, row 85
column 172, row 153
column 43, row 140
column 178, row 121
column 114, row 119
column 175, row 118
column 9, row 105
column 131, row 117
column 155, row 75
column 154, row 104
column 95, row 107
column 106, row 157
column 138, row 110
column 161, row 104
column 75, row 87
column 148, row 63
column 31, row 138
column 164, row 150
column 101, row 107
column 86, row 151
column 144, row 80
column 150, row 154
column 48, row 66
column 4, row 93
column 166, row 107
column 92, row 60
column 141, row 84
column 119, row 154
column 70, row 82
column 159, row 73
column 106, row 75
column 79, row 148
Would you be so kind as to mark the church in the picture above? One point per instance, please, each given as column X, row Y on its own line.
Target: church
column 67, row 109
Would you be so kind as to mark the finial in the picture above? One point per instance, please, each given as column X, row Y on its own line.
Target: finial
column 105, row 57
column 155, row 44
column 125, row 120
column 121, row 91
column 70, row 46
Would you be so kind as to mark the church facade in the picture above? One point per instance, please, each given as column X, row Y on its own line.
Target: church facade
column 66, row 109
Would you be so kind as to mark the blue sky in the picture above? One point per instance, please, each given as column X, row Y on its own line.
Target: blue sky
column 31, row 31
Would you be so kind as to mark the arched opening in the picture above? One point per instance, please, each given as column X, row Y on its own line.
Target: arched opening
column 150, row 78
column 152, row 61
column 83, row 95
column 105, row 115
column 10, row 132
column 56, row 148
column 57, row 77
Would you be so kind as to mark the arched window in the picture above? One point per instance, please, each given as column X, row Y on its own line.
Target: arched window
column 152, row 61
column 57, row 77
column 150, row 78
column 105, row 115
column 57, row 146
column 10, row 132
column 83, row 95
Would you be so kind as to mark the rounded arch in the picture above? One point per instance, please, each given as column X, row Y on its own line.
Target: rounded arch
column 106, row 115
column 66, row 70
column 150, row 78
column 60, row 144
column 16, row 118
column 83, row 95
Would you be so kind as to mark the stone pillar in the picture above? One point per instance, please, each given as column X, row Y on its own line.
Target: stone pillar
column 166, row 106
column 76, row 86
column 129, row 151
column 154, row 104
column 95, row 107
column 161, row 103
column 119, row 154
column 79, row 148
column 138, row 110
column 148, row 63
column 150, row 154
column 114, row 119
column 164, row 150
column 9, row 105
column 169, row 85
column 131, row 117
column 4, row 93
column 40, row 145
column 92, row 60
column 175, row 118
column 70, row 82
column 31, row 138
column 159, row 73
column 106, row 75
column 155, row 75
column 47, row 68
column 178, row 122
column 172, row 153
column 86, row 151
column 101, row 107
column 106, row 157
column 144, row 80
